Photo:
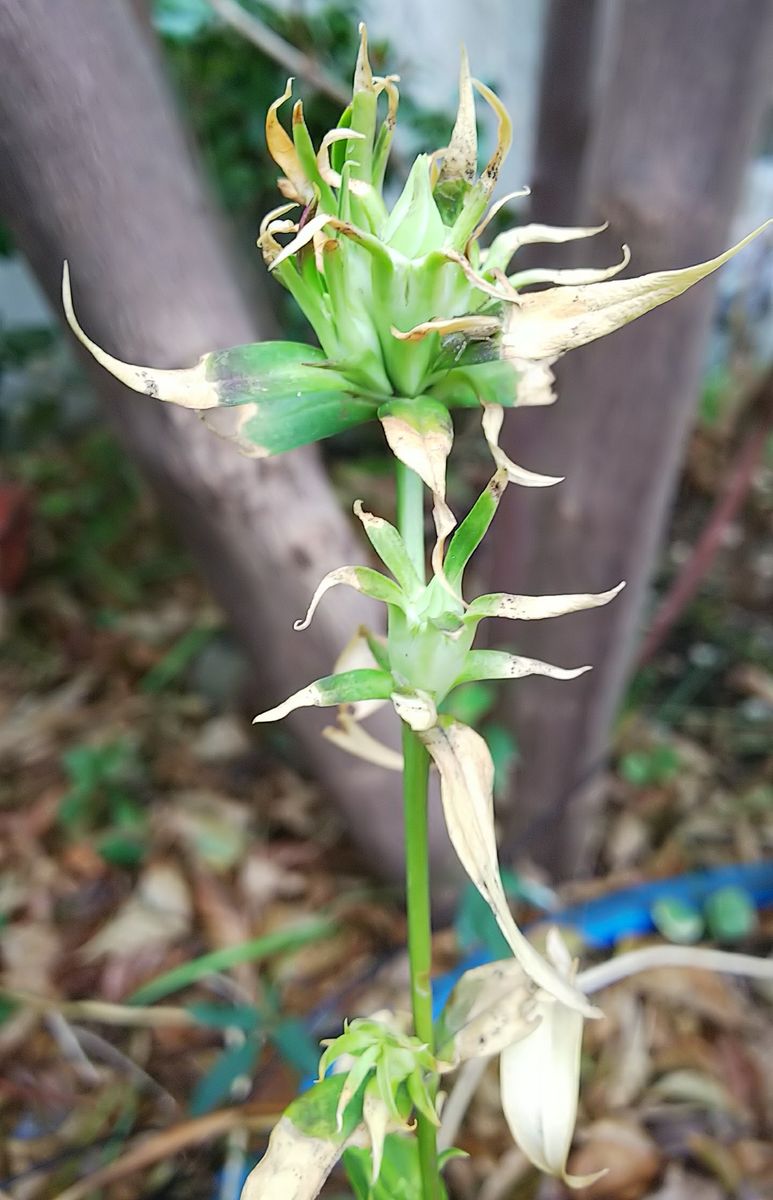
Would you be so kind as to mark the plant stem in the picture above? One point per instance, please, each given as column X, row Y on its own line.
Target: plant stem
column 410, row 516
column 417, row 896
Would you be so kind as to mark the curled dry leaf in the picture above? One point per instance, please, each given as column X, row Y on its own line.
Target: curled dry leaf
column 493, row 416
column 631, row 1158
column 466, row 787
column 542, row 1114
column 548, row 323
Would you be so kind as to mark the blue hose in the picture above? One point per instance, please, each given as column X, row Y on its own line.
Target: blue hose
column 628, row 913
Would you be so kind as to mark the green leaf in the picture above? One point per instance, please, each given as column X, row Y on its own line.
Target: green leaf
column 215, row 1088
column 498, row 664
column 390, row 548
column 171, row 666
column 123, row 848
column 286, row 420
column 400, row 1176
column 281, row 942
column 414, row 226
column 348, row 687
column 470, row 703
column 645, row 768
column 286, row 392
column 473, row 529
column 295, row 1044
column 476, row 383
column 363, row 579
column 225, row 1016
column 315, row 1113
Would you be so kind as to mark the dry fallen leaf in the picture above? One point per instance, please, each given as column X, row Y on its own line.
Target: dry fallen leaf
column 632, row 1159
column 704, row 993
column 681, row 1184
column 29, row 951
column 155, row 916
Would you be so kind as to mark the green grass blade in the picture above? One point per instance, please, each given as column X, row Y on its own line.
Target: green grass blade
column 280, row 942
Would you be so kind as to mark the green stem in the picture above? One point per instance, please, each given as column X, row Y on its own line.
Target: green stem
column 417, row 897
column 410, row 516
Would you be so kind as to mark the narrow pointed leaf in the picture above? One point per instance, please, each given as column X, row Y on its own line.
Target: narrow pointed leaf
column 546, row 324
column 355, row 1077
column 536, row 608
column 493, row 415
column 506, row 244
column 363, row 579
column 466, row 787
column 569, row 276
column 386, row 132
column 280, row 147
column 498, row 664
column 473, row 529
column 286, row 393
column 474, row 327
column 346, row 688
column 351, row 737
column 496, row 208
column 420, row 434
column 420, row 1097
column 390, row 548
column 414, row 227
column 377, row 1119
column 308, row 159
column 460, row 159
column 491, row 171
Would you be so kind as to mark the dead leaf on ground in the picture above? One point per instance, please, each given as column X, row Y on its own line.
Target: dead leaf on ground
column 155, row 916
column 632, row 1160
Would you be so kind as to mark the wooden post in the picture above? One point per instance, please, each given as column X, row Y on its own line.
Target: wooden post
column 97, row 169
column 672, row 135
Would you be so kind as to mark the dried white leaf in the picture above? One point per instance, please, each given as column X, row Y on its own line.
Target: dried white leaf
column 540, row 1081
column 350, row 736
column 537, row 608
column 416, row 708
column 548, row 323
column 294, row 1167
column 493, row 416
column 466, row 785
column 188, row 387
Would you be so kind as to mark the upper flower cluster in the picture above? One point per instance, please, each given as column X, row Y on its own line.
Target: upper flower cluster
column 414, row 315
